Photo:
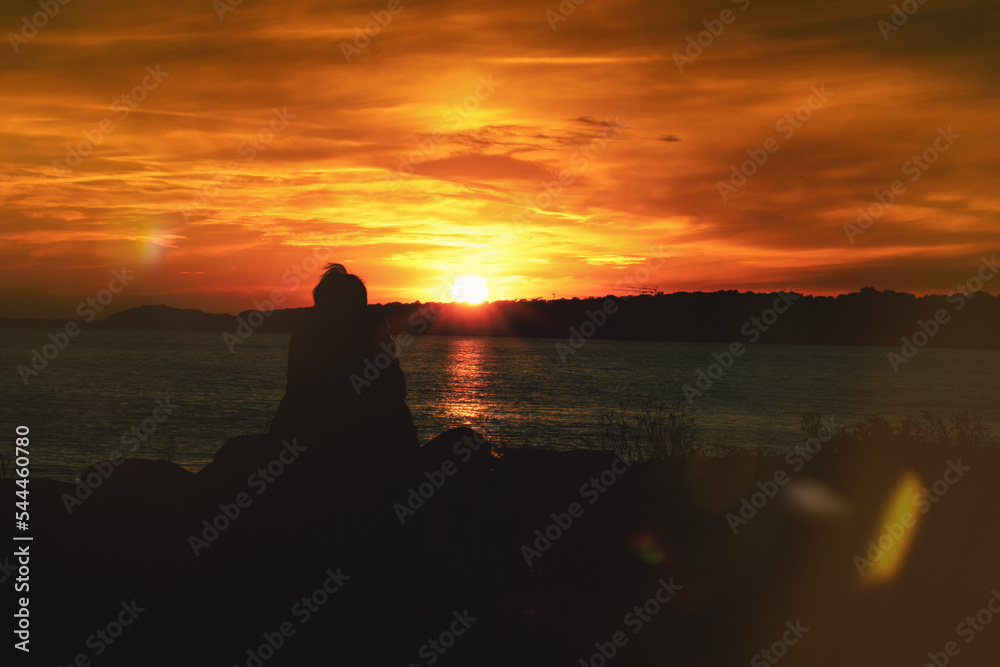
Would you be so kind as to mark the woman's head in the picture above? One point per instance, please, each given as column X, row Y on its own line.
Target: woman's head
column 339, row 290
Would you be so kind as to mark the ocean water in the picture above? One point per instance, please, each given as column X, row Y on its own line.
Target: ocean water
column 88, row 398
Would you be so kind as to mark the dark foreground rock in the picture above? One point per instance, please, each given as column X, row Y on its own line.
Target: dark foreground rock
column 436, row 560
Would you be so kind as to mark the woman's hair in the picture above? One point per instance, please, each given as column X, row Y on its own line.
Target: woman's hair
column 338, row 288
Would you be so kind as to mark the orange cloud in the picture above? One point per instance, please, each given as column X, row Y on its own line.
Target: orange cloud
column 589, row 150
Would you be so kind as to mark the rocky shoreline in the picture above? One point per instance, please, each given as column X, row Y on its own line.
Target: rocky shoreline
column 277, row 555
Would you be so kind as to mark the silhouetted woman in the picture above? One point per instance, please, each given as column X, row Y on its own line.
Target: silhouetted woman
column 333, row 398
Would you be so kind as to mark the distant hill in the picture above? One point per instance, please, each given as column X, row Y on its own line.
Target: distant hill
column 869, row 317
column 165, row 318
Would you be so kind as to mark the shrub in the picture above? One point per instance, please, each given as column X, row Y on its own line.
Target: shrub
column 964, row 430
column 652, row 431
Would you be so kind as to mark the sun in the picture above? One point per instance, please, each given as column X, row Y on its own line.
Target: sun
column 470, row 289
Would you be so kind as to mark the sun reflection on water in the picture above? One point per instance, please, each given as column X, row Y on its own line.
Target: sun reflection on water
column 466, row 395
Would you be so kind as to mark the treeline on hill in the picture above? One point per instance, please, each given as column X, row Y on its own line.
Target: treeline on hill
column 868, row 317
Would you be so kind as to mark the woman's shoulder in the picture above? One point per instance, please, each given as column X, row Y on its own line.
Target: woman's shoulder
column 373, row 324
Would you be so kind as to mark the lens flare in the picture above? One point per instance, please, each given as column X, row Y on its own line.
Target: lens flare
column 890, row 543
column 648, row 548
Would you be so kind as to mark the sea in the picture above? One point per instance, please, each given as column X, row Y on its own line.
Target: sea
column 193, row 391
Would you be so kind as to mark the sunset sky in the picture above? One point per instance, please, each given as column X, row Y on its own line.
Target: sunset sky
column 487, row 104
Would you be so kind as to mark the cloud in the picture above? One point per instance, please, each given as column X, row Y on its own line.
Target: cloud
column 474, row 167
column 481, row 162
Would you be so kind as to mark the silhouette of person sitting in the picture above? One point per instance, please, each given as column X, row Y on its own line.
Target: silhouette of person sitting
column 344, row 385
